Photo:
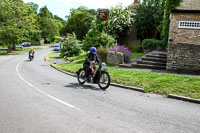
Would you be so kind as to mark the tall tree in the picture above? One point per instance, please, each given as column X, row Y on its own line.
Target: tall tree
column 79, row 21
column 60, row 19
column 34, row 7
column 44, row 12
column 34, row 36
column 49, row 28
column 120, row 19
column 61, row 23
column 48, row 25
column 16, row 20
column 149, row 15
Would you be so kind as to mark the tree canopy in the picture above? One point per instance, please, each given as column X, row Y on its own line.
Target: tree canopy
column 79, row 21
column 50, row 25
column 16, row 20
column 49, row 28
column 120, row 19
column 34, row 7
column 97, row 35
column 44, row 12
column 149, row 16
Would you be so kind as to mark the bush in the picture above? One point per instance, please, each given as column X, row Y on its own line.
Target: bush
column 136, row 49
column 97, row 39
column 149, row 16
column 102, row 53
column 26, row 40
column 106, row 40
column 125, row 51
column 71, row 46
column 152, row 44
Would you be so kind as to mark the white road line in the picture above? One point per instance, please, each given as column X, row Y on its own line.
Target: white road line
column 44, row 93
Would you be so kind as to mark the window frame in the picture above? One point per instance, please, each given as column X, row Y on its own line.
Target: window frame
column 189, row 25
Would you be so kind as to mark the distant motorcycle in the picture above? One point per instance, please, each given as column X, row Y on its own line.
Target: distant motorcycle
column 98, row 76
column 31, row 56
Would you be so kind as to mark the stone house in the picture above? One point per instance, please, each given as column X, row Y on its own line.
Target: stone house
column 184, row 38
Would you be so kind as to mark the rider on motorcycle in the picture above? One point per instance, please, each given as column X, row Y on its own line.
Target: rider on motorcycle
column 31, row 52
column 92, row 56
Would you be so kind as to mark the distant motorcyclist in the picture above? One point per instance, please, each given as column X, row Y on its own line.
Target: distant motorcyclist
column 31, row 52
column 92, row 56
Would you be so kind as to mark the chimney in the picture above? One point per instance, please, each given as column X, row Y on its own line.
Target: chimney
column 135, row 1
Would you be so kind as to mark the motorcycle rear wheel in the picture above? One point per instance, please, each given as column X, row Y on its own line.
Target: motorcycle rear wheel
column 81, row 76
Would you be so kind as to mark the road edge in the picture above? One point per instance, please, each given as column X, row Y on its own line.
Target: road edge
column 112, row 84
column 172, row 96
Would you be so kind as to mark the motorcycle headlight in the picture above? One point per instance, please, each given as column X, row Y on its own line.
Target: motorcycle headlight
column 103, row 64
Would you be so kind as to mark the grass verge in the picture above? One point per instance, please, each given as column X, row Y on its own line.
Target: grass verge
column 163, row 84
column 137, row 54
column 17, row 51
column 79, row 59
column 50, row 56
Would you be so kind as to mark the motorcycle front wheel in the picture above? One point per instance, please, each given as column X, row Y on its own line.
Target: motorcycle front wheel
column 81, row 76
column 104, row 81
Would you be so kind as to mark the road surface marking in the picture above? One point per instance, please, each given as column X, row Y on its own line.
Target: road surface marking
column 44, row 93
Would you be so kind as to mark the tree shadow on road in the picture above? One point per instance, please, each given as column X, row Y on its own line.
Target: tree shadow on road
column 79, row 86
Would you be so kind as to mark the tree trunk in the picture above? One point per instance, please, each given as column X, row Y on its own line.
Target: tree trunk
column 9, row 49
column 14, row 47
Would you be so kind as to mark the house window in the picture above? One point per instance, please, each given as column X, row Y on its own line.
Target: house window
column 189, row 24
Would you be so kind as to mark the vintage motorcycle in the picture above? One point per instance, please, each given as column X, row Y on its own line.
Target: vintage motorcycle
column 31, row 56
column 98, row 76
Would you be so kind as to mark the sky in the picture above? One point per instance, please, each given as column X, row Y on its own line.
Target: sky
column 62, row 8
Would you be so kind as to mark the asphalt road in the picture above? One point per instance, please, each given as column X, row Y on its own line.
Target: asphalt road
column 35, row 98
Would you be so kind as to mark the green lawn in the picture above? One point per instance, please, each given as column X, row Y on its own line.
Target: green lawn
column 3, row 52
column 163, row 84
column 79, row 59
column 50, row 56
column 17, row 51
column 76, row 59
column 137, row 54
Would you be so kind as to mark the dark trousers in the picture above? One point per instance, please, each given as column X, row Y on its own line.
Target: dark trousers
column 87, row 70
column 30, row 55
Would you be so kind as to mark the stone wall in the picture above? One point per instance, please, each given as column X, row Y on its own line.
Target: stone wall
column 189, row 5
column 115, row 58
column 184, row 43
column 178, row 35
column 184, row 58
